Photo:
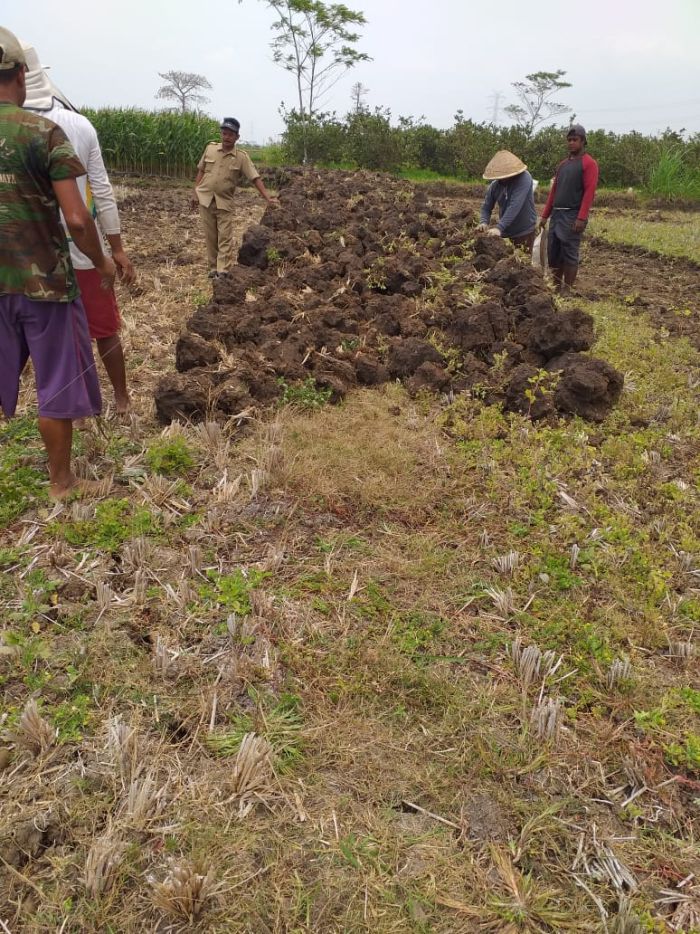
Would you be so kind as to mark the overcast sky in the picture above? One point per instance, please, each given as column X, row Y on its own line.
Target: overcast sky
column 633, row 64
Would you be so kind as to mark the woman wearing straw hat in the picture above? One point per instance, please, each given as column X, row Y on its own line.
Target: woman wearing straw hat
column 512, row 190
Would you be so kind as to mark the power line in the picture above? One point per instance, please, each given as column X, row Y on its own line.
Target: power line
column 655, row 122
column 623, row 108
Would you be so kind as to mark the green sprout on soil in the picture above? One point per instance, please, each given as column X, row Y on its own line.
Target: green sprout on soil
column 72, row 717
column 170, row 456
column 376, row 275
column 439, row 278
column 453, row 355
column 200, row 298
column 359, row 851
column 115, row 522
column 686, row 756
column 306, row 395
column 415, row 632
column 474, row 293
column 281, row 725
column 541, row 385
column 231, row 591
column 21, row 481
column 272, row 255
column 559, row 573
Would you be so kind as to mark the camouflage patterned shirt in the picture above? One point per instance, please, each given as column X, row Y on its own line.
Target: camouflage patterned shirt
column 34, row 255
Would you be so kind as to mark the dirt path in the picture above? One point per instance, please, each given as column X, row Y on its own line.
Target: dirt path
column 666, row 288
column 166, row 243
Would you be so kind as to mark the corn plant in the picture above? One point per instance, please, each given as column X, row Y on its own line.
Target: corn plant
column 152, row 142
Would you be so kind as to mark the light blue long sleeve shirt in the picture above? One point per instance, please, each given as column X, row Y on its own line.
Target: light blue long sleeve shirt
column 516, row 205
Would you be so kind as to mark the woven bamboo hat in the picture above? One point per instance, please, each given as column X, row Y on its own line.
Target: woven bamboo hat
column 504, row 165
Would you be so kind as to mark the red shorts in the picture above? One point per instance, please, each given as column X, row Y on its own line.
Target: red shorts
column 100, row 304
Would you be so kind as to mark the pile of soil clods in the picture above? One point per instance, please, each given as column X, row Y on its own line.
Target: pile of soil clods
column 356, row 279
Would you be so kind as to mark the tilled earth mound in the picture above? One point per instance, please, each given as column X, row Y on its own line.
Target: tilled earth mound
column 356, row 279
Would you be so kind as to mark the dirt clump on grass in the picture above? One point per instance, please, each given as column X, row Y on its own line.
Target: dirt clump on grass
column 355, row 280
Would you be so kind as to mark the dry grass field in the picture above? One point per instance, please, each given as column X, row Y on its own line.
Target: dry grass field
column 397, row 665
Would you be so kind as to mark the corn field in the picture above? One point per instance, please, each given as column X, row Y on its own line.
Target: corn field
column 152, row 142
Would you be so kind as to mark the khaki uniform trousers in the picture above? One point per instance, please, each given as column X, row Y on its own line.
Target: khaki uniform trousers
column 218, row 233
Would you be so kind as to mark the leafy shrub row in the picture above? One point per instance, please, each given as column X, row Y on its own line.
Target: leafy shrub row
column 371, row 140
column 166, row 143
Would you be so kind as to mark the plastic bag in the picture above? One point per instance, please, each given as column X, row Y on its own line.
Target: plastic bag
column 539, row 251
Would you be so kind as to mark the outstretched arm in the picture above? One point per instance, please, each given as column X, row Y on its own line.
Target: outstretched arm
column 264, row 193
column 487, row 206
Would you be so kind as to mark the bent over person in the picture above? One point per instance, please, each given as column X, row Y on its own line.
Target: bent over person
column 512, row 189
column 218, row 173
column 41, row 315
column 569, row 203
column 100, row 304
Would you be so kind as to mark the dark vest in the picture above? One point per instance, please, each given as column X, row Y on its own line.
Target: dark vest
column 569, row 192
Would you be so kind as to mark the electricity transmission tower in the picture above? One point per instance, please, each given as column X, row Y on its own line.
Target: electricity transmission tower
column 495, row 99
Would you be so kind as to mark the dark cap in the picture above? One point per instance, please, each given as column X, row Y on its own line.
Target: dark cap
column 576, row 130
column 230, row 123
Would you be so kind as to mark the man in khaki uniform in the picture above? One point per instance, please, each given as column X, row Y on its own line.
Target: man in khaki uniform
column 218, row 173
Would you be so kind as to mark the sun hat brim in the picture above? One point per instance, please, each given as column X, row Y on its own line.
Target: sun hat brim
column 41, row 91
column 503, row 165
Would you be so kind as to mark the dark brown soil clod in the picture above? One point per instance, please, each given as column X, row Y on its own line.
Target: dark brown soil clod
column 356, row 279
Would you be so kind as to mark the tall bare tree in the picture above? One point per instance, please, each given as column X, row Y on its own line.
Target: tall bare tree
column 535, row 94
column 183, row 87
column 358, row 93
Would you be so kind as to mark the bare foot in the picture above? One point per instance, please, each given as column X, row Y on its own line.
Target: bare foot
column 81, row 489
column 122, row 405
column 122, row 415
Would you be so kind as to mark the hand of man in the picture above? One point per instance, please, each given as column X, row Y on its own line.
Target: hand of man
column 542, row 223
column 108, row 271
column 493, row 232
column 125, row 268
column 480, row 228
column 579, row 226
column 194, row 201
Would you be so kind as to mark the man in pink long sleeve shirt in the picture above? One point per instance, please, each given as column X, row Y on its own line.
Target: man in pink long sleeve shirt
column 569, row 203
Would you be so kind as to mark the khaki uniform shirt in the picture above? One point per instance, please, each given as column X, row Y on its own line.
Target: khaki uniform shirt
column 222, row 173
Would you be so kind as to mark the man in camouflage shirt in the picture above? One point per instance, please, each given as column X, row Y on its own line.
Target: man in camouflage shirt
column 41, row 315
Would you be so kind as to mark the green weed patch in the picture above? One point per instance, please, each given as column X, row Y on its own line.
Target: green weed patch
column 115, row 522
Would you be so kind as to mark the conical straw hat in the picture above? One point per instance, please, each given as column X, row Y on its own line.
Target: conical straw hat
column 504, row 165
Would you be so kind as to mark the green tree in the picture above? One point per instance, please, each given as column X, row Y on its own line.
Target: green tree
column 372, row 141
column 315, row 41
column 536, row 95
column 183, row 87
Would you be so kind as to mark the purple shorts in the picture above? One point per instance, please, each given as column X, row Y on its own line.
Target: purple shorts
column 55, row 336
